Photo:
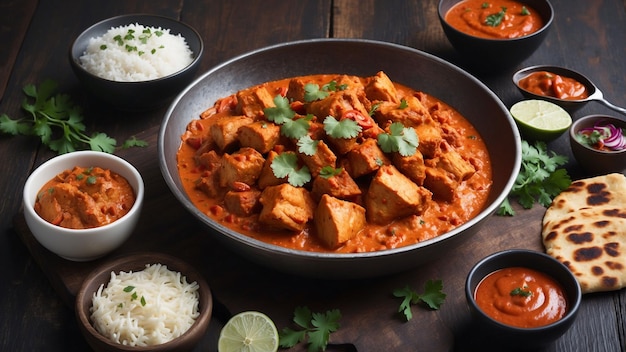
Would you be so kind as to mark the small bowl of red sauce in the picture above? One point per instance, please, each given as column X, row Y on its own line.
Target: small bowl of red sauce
column 522, row 298
column 494, row 35
column 598, row 143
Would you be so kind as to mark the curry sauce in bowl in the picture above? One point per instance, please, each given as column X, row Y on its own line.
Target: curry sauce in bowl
column 83, row 205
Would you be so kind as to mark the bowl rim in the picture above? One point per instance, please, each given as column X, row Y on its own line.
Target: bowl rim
column 74, row 61
column 574, row 128
column 29, row 190
column 260, row 245
column 205, row 300
column 573, row 306
column 546, row 25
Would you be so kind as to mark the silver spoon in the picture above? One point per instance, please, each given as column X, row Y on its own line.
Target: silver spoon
column 571, row 105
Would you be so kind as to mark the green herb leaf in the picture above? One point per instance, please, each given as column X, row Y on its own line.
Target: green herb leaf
column 54, row 115
column 281, row 112
column 329, row 171
column 399, row 139
column 525, row 11
column 286, row 165
column 312, row 92
column 316, row 326
column 521, row 291
column 307, row 145
column 129, row 288
column 540, row 179
column 345, row 128
column 433, row 297
column 134, row 142
column 495, row 19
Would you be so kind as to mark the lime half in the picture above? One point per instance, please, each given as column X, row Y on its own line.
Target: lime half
column 540, row 119
column 248, row 332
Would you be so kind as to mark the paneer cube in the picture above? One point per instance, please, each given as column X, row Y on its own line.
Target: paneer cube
column 440, row 182
column 365, row 158
column 224, row 132
column 323, row 156
column 242, row 166
column 392, row 195
column 286, row 207
column 451, row 161
column 412, row 166
column 260, row 135
column 337, row 221
column 252, row 101
column 340, row 186
column 380, row 87
column 243, row 203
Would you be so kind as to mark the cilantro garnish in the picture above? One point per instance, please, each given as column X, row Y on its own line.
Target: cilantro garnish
column 345, row 128
column 316, row 326
column 57, row 121
column 495, row 19
column 307, row 145
column 521, row 291
column 286, row 165
column 539, row 178
column 281, row 112
column 433, row 297
column 403, row 104
column 312, row 92
column 399, row 139
column 525, row 11
column 329, row 171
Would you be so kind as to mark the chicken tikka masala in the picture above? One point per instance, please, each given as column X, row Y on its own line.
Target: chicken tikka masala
column 335, row 163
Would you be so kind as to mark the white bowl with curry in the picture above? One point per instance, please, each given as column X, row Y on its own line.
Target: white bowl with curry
column 83, row 205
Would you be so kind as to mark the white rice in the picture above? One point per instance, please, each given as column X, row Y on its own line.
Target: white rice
column 118, row 57
column 145, row 308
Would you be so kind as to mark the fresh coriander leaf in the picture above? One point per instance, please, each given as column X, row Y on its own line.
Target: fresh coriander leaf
column 403, row 104
column 13, row 127
column 286, row 165
column 329, row 171
column 495, row 19
column 316, row 326
column 373, row 109
column 134, row 142
column 281, row 112
column 345, row 128
column 399, row 139
column 433, row 297
column 100, row 141
column 307, row 145
column 525, row 11
column 296, row 129
column 312, row 92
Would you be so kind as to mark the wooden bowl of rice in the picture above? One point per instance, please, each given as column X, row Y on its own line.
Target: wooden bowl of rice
column 144, row 302
column 136, row 62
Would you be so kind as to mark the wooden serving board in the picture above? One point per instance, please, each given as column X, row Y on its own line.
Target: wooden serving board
column 370, row 320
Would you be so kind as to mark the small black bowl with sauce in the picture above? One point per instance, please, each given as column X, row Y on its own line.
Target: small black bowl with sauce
column 571, row 104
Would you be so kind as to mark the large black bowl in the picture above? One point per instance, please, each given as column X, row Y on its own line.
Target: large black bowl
column 356, row 57
column 142, row 95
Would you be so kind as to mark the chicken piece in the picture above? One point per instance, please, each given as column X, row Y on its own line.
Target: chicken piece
column 286, row 207
column 209, row 183
column 365, row 158
column 337, row 221
column 267, row 177
column 380, row 87
column 210, row 160
column 412, row 166
column 260, row 135
column 295, row 90
column 451, row 161
column 242, row 166
column 340, row 186
column 440, row 182
column 338, row 103
column 411, row 115
column 224, row 131
column 243, row 203
column 323, row 156
column 252, row 101
column 391, row 195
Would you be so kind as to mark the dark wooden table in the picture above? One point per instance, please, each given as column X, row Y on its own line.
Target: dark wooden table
column 37, row 288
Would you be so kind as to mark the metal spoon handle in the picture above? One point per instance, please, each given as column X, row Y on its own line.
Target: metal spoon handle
column 613, row 107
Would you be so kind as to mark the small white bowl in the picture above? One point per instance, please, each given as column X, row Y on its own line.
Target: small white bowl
column 81, row 244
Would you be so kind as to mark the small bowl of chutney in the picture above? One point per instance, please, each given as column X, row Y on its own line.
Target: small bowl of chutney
column 522, row 298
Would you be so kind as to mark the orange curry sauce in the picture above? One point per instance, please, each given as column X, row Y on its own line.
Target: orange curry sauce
column 521, row 297
column 441, row 216
column 494, row 19
column 552, row 85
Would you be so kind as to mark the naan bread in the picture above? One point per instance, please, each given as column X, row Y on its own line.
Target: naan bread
column 585, row 228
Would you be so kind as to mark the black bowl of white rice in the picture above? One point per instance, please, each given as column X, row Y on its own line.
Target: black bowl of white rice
column 136, row 62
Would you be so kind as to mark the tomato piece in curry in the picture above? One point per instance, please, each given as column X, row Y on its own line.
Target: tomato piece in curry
column 324, row 192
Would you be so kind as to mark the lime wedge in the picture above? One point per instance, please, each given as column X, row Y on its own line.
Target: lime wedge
column 250, row 332
column 540, row 119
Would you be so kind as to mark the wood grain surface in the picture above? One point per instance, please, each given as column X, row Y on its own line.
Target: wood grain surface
column 37, row 292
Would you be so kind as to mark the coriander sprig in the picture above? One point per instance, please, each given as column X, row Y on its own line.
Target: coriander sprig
column 58, row 122
column 433, row 297
column 539, row 179
column 316, row 326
